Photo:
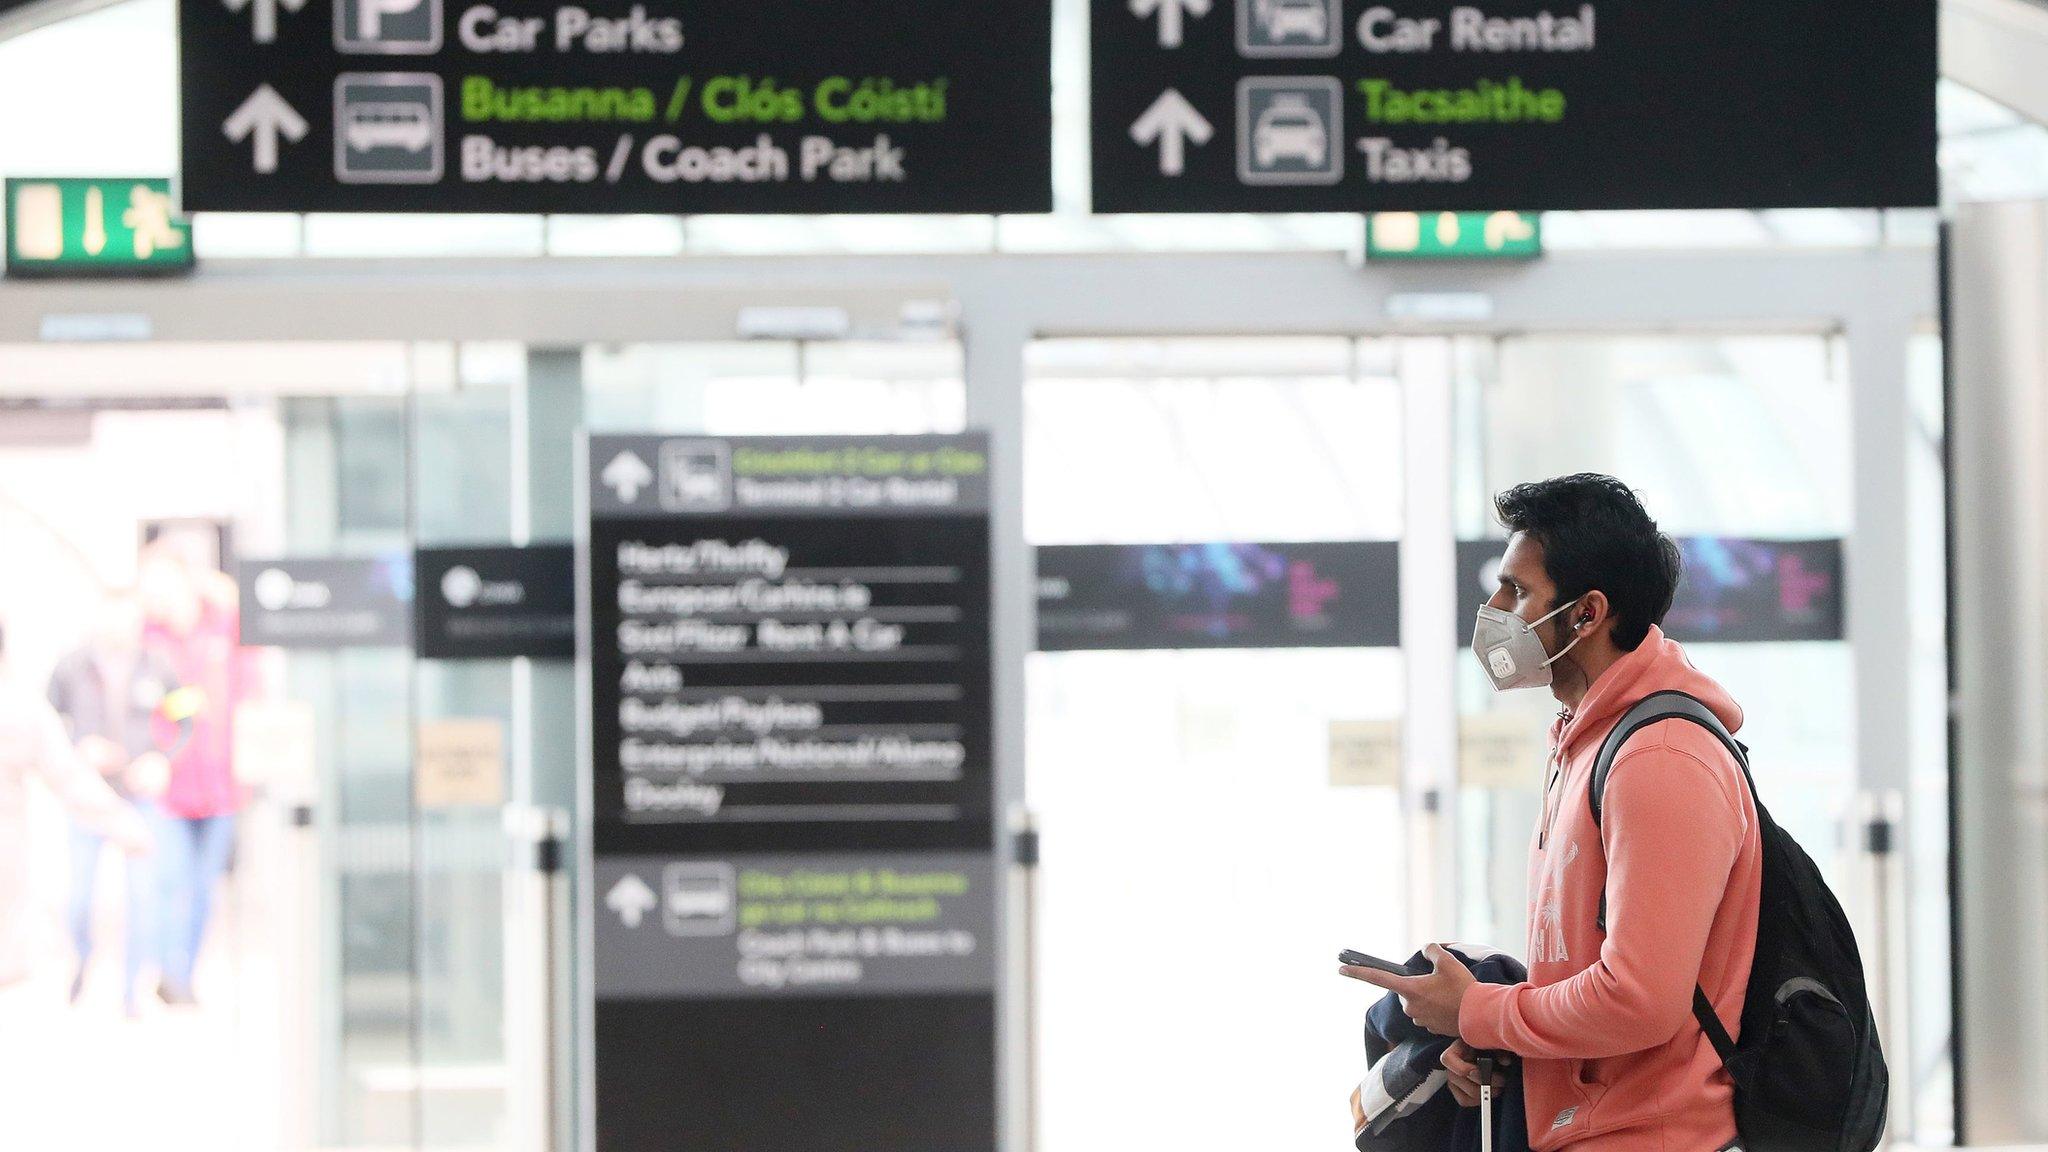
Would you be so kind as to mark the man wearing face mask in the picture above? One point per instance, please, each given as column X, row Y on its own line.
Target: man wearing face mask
column 1612, row 1056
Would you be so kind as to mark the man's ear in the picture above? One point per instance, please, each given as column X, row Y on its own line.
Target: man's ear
column 1590, row 615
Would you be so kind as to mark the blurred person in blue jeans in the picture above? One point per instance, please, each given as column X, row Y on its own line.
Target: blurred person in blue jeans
column 109, row 693
column 192, row 615
column 34, row 745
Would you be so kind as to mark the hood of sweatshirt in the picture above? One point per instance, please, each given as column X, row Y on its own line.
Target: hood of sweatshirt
column 1658, row 664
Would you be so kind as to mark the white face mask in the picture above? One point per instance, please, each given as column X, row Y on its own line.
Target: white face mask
column 1511, row 652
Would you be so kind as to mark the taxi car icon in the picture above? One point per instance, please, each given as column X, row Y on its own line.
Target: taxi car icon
column 388, row 124
column 1289, row 129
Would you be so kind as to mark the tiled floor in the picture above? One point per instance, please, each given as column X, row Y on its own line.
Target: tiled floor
column 85, row 1077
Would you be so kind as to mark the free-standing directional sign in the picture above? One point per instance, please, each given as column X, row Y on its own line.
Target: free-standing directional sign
column 601, row 106
column 792, row 884
column 1433, row 105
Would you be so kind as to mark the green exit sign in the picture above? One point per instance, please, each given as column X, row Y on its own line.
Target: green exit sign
column 1453, row 236
column 95, row 227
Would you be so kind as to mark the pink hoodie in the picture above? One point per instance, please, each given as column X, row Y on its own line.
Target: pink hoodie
column 1612, row 1057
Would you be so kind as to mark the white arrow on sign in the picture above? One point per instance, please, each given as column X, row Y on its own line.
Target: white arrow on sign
column 1169, row 16
column 266, row 15
column 265, row 116
column 631, row 898
column 626, row 475
column 1172, row 122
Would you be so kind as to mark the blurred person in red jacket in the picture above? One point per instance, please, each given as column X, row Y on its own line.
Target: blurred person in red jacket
column 194, row 623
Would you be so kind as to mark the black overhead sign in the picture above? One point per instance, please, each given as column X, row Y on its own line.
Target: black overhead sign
column 1368, row 105
column 496, row 602
column 350, row 602
column 1731, row 589
column 793, row 874
column 1340, row 594
column 601, row 106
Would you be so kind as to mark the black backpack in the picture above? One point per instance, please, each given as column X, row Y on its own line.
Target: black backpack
column 1809, row 1073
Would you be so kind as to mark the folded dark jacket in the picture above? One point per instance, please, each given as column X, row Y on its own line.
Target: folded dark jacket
column 1403, row 1104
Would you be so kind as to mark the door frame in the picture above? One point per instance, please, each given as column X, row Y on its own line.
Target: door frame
column 1876, row 300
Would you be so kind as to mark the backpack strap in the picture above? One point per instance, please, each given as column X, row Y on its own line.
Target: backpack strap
column 1653, row 709
column 1710, row 1023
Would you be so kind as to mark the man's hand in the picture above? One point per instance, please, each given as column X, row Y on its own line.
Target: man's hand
column 1431, row 1001
column 1462, row 1064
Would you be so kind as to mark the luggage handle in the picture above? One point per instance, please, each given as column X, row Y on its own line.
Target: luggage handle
column 1486, row 1066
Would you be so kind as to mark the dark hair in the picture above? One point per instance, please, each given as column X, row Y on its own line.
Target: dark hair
column 1597, row 536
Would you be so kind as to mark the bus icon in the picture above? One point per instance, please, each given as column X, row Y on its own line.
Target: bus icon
column 375, row 125
column 387, row 128
column 699, row 898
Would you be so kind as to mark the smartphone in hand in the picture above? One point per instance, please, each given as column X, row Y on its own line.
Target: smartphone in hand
column 1366, row 960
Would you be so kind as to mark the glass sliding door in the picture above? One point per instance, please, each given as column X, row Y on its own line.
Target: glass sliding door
column 471, row 924
column 346, row 497
column 98, row 496
column 1739, row 446
column 1203, row 858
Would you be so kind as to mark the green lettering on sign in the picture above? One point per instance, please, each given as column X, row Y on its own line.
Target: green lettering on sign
column 1453, row 236
column 95, row 227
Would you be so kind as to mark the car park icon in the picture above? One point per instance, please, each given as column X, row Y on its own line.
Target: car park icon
column 1290, row 130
